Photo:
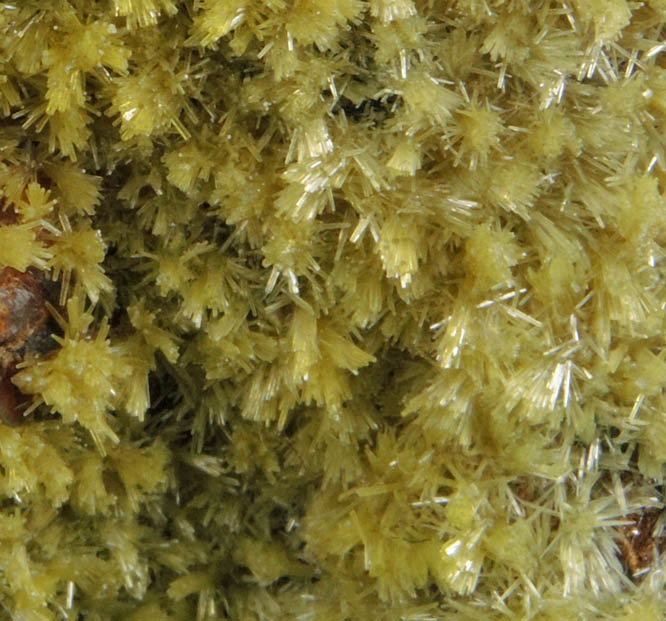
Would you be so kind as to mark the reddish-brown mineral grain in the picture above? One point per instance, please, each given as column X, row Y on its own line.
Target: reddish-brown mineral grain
column 23, row 316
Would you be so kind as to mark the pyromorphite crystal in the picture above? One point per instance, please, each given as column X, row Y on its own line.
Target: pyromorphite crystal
column 358, row 309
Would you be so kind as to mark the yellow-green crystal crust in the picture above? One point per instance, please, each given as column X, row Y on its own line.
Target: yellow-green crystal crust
column 362, row 308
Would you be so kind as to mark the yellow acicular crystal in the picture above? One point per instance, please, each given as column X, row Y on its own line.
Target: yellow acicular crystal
column 349, row 309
